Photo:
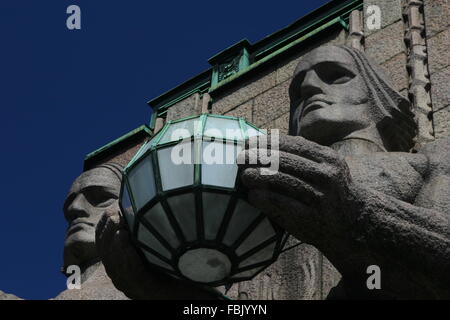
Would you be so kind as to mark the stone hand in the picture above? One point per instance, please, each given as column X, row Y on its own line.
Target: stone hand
column 127, row 270
column 311, row 195
column 314, row 198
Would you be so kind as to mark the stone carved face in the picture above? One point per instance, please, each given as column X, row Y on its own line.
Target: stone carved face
column 337, row 94
column 90, row 195
column 330, row 96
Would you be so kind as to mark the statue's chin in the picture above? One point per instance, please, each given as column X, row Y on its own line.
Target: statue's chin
column 319, row 134
column 327, row 130
column 79, row 248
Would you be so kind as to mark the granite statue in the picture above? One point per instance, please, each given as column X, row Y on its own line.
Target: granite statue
column 350, row 183
column 93, row 192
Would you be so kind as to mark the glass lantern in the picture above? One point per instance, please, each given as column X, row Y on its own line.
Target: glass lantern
column 186, row 208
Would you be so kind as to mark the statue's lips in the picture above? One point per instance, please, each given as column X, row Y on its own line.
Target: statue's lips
column 314, row 104
column 76, row 225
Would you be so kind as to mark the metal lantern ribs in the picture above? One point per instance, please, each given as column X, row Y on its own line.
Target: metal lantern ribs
column 191, row 218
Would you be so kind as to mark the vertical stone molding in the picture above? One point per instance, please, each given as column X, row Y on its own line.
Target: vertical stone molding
column 205, row 103
column 419, row 78
column 356, row 34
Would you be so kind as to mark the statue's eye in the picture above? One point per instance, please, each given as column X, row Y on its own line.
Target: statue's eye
column 99, row 197
column 339, row 79
column 331, row 73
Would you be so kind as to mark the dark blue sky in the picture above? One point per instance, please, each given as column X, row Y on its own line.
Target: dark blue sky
column 66, row 93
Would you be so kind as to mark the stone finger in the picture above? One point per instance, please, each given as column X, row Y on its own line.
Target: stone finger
column 289, row 163
column 294, row 144
column 106, row 229
column 297, row 218
column 283, row 183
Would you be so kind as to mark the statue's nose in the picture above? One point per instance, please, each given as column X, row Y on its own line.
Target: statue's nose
column 311, row 85
column 77, row 208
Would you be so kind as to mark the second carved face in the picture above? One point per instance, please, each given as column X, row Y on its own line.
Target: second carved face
column 90, row 195
column 330, row 96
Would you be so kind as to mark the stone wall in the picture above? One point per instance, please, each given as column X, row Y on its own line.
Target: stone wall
column 437, row 33
column 186, row 107
column 413, row 48
column 123, row 157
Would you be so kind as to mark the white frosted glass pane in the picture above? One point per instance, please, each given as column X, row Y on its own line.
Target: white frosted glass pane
column 183, row 208
column 219, row 166
column 146, row 237
column 248, row 273
column 262, row 255
column 204, row 265
column 243, row 216
column 180, row 130
column 223, row 128
column 155, row 260
column 176, row 170
column 214, row 207
column 157, row 217
column 142, row 183
column 263, row 231
column 127, row 207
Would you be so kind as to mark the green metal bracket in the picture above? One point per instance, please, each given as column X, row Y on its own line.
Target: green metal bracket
column 230, row 61
column 343, row 23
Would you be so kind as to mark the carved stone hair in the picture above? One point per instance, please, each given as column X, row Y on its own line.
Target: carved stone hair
column 116, row 168
column 391, row 111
